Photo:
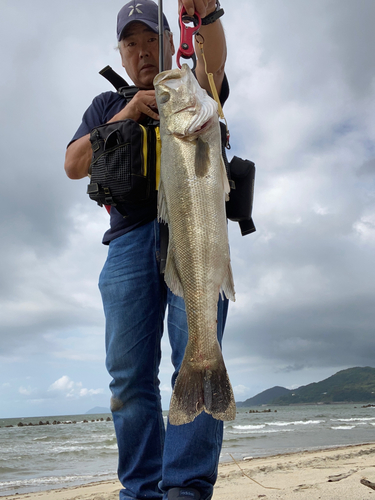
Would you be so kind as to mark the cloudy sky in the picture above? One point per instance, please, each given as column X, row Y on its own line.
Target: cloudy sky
column 302, row 107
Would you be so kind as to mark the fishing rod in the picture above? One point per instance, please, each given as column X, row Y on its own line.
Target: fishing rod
column 161, row 36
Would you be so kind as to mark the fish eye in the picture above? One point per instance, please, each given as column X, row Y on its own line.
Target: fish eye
column 164, row 97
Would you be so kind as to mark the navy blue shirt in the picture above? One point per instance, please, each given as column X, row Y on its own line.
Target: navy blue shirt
column 104, row 107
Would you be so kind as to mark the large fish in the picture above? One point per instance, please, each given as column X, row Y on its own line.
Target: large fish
column 192, row 192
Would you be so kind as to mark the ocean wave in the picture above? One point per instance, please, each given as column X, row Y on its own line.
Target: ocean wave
column 43, row 481
column 354, row 419
column 77, row 449
column 261, row 431
column 5, row 470
column 232, row 441
column 343, row 428
column 54, row 480
column 249, row 427
column 298, row 422
column 87, row 441
column 44, row 438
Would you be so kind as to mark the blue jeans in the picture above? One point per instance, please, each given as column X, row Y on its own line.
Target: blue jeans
column 151, row 459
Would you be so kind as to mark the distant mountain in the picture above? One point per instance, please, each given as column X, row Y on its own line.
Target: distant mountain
column 98, row 409
column 355, row 385
column 264, row 397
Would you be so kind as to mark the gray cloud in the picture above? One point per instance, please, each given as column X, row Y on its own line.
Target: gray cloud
column 301, row 106
column 367, row 168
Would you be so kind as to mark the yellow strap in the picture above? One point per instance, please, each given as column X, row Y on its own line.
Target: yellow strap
column 211, row 81
column 144, row 150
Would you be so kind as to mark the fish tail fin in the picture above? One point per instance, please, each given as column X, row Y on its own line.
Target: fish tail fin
column 199, row 389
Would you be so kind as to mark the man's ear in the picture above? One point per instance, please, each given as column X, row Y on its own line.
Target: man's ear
column 119, row 46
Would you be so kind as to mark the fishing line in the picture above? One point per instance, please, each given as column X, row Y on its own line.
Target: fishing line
column 244, row 473
column 161, row 36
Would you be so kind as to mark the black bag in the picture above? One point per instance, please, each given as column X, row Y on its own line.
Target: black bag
column 123, row 163
column 241, row 177
column 240, row 204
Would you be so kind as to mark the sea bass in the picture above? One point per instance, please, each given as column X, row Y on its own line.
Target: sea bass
column 191, row 200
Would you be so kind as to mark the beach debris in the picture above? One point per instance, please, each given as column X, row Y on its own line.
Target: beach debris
column 302, row 487
column 344, row 475
column 191, row 200
column 368, row 483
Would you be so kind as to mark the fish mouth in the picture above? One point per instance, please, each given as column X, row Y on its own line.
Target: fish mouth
column 188, row 108
column 195, row 131
column 202, row 127
column 205, row 125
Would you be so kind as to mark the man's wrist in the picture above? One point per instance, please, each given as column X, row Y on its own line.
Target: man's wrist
column 214, row 15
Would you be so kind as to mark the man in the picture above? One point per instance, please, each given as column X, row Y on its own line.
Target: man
column 182, row 461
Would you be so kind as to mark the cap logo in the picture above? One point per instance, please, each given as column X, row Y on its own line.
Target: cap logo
column 132, row 9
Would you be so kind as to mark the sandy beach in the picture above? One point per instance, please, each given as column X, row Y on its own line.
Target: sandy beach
column 331, row 474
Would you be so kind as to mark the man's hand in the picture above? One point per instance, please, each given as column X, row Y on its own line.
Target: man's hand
column 79, row 153
column 203, row 7
column 143, row 104
column 215, row 49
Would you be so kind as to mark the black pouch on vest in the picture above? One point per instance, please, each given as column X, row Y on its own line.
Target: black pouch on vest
column 240, row 204
column 123, row 163
column 241, row 177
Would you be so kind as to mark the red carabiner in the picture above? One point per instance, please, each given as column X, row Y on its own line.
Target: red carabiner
column 186, row 49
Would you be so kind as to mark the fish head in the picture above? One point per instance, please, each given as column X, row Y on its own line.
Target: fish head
column 184, row 107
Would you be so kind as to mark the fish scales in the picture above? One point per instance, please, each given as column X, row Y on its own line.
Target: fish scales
column 192, row 193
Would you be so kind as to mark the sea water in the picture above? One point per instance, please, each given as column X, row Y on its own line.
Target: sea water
column 75, row 451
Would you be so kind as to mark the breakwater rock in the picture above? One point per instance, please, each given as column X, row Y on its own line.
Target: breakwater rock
column 58, row 422
column 260, row 411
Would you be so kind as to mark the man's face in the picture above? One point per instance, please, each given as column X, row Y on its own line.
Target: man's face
column 140, row 54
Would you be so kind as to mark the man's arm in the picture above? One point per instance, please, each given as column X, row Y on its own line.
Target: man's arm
column 215, row 48
column 78, row 158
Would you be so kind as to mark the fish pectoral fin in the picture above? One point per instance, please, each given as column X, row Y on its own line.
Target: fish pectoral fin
column 162, row 205
column 225, row 181
column 202, row 158
column 171, row 276
column 205, row 389
column 227, row 286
